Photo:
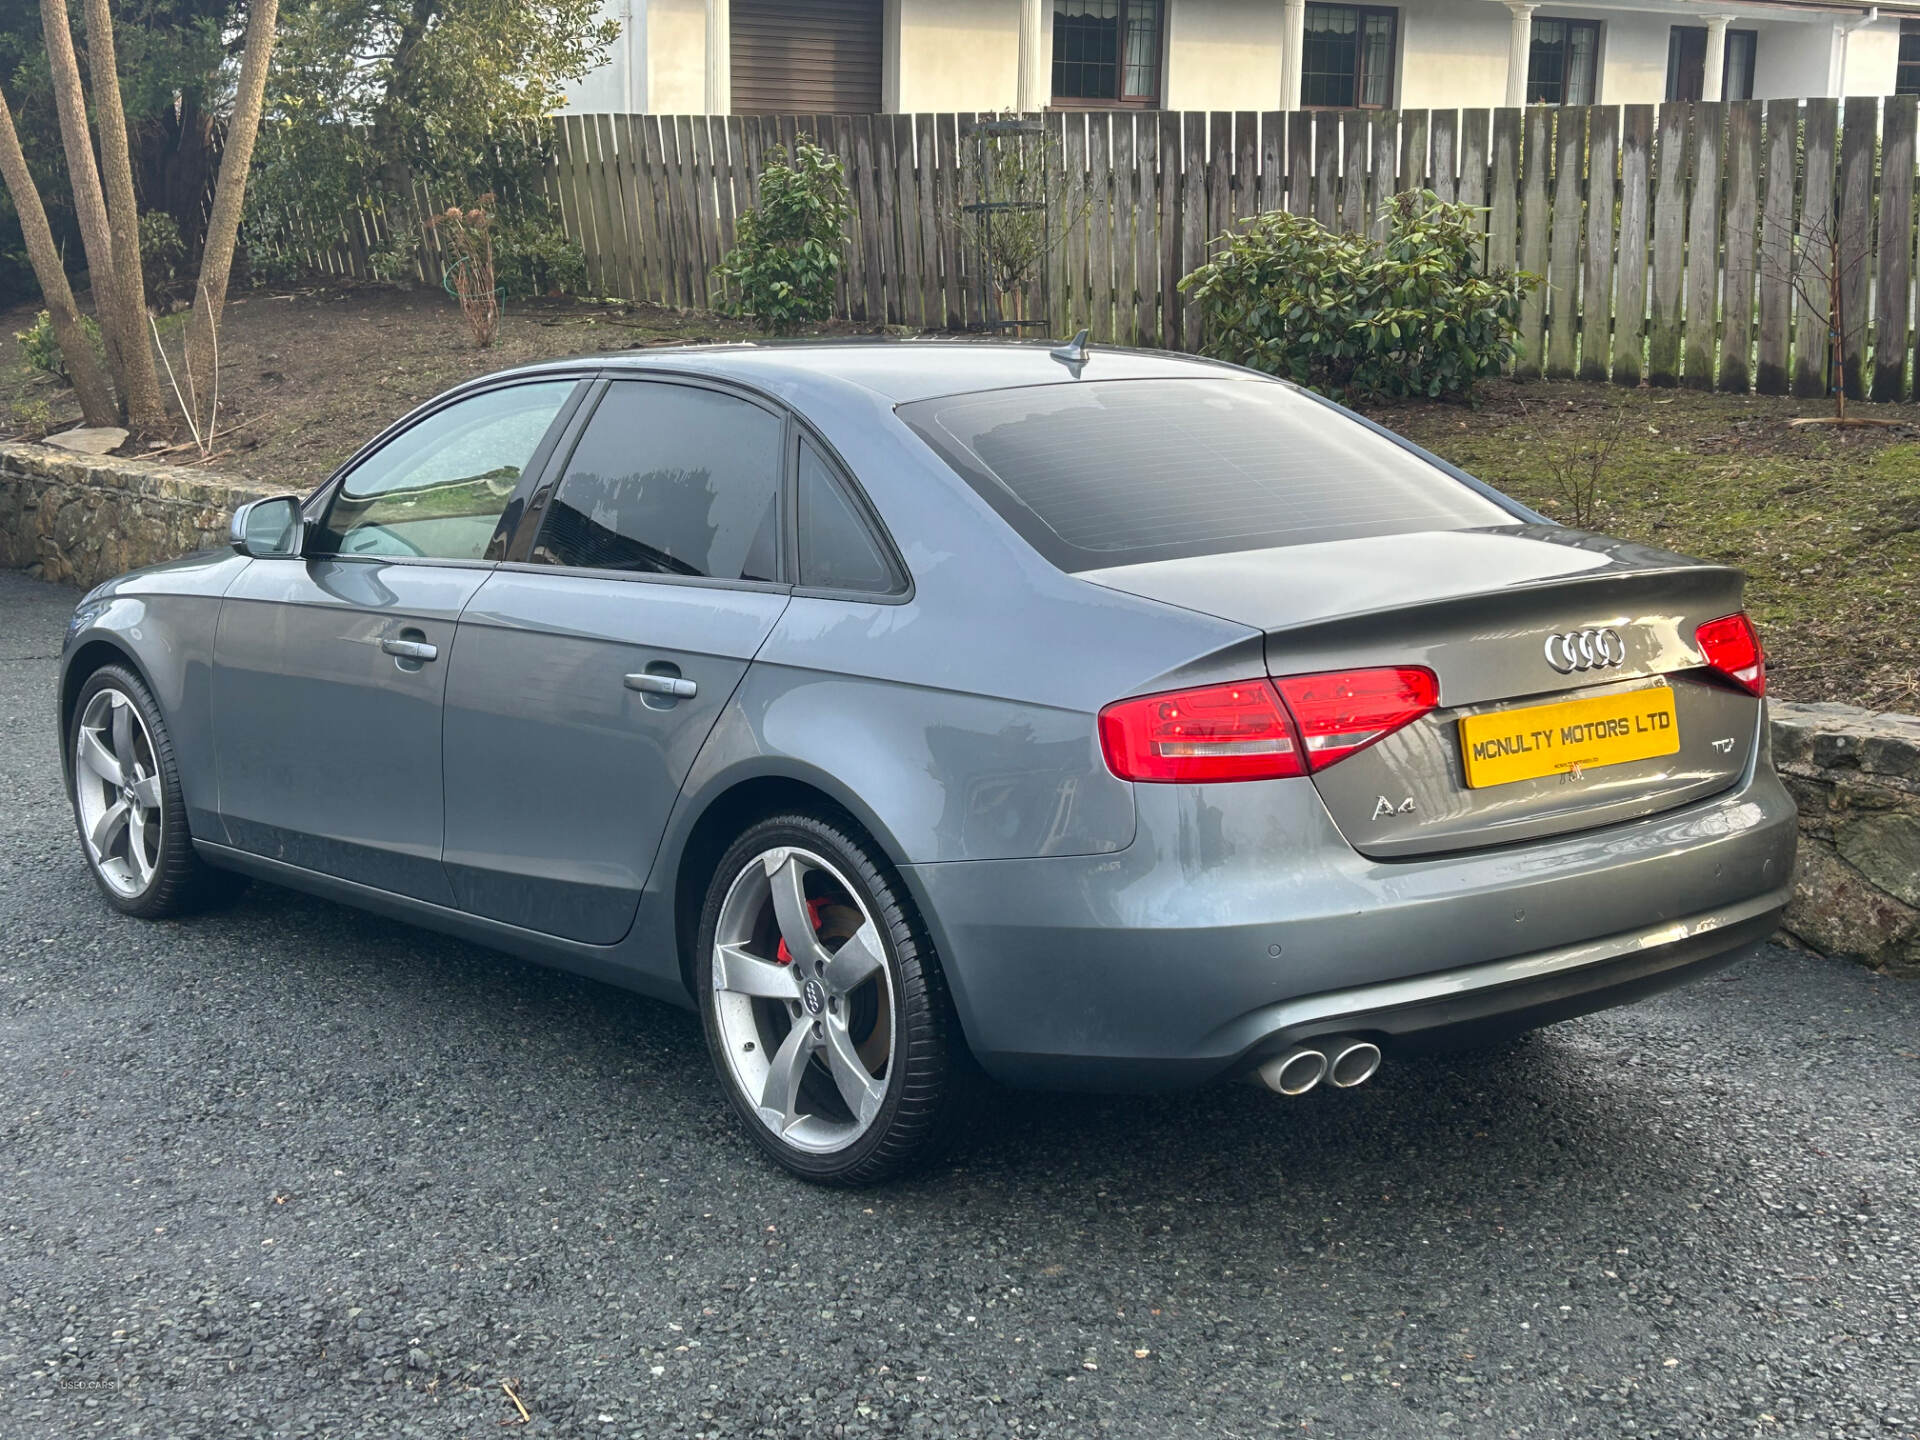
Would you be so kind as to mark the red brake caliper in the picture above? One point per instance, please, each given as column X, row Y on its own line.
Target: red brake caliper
column 785, row 956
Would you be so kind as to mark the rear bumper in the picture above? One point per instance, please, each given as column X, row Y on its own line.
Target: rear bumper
column 1529, row 990
column 1241, row 922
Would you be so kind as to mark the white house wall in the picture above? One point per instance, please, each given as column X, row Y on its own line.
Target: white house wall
column 677, row 56
column 958, row 54
column 1227, row 54
column 613, row 86
column 945, row 55
column 1223, row 55
column 1449, row 48
column 1633, row 56
column 1873, row 53
column 1792, row 60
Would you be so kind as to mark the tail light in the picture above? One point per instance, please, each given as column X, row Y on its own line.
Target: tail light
column 1732, row 648
column 1347, row 710
column 1223, row 732
column 1261, row 729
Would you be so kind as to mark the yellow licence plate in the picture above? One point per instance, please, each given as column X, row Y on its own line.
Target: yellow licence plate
column 1569, row 737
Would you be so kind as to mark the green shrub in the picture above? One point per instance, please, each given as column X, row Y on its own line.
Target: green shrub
column 29, row 419
column 533, row 256
column 271, row 264
column 781, row 272
column 1413, row 314
column 41, row 350
column 38, row 347
column 394, row 260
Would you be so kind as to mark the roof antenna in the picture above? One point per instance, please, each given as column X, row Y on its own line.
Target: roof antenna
column 1073, row 354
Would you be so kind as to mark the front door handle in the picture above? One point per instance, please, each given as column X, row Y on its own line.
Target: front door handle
column 678, row 686
column 411, row 649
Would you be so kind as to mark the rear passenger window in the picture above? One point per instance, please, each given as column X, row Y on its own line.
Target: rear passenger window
column 837, row 550
column 670, row 480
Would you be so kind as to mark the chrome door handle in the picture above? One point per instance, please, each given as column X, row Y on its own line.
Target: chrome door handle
column 411, row 649
column 677, row 686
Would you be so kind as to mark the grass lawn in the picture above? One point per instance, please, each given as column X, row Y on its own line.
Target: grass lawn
column 1826, row 522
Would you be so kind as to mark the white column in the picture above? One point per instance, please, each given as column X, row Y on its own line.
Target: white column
column 634, row 23
column 892, row 85
column 719, row 57
column 1036, row 56
column 1713, row 84
column 1519, row 50
column 1293, row 28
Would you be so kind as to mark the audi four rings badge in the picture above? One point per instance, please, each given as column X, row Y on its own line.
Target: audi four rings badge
column 1585, row 650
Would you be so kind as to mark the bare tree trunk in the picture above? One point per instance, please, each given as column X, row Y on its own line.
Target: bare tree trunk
column 229, row 195
column 89, row 382
column 89, row 205
column 139, row 380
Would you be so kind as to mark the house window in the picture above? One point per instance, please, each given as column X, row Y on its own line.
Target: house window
column 1738, row 82
column 1906, row 79
column 1687, row 63
column 1107, row 52
column 1561, row 65
column 1348, row 56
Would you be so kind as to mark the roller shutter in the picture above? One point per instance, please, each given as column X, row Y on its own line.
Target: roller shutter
column 806, row 56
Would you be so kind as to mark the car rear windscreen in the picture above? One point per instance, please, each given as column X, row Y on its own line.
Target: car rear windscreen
column 1101, row 473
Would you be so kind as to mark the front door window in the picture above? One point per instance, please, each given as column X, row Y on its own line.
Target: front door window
column 437, row 490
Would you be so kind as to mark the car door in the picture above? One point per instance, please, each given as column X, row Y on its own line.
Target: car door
column 329, row 668
column 591, row 666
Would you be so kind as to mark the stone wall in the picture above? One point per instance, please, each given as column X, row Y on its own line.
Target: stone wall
column 1856, row 776
column 80, row 520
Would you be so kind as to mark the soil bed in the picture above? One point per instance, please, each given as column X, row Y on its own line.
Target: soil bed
column 308, row 375
column 1826, row 522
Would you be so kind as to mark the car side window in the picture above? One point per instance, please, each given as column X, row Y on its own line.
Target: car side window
column 670, row 480
column 837, row 549
column 437, row 490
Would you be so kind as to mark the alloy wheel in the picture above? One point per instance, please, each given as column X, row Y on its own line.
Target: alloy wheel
column 803, row 999
column 117, row 788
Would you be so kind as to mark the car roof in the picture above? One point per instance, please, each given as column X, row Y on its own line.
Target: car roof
column 898, row 371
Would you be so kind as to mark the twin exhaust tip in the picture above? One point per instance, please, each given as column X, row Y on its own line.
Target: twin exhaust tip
column 1340, row 1060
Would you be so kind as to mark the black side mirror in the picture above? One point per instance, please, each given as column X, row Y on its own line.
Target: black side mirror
column 268, row 529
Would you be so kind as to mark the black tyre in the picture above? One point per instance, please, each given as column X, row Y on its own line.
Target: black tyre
column 825, row 1008
column 125, row 789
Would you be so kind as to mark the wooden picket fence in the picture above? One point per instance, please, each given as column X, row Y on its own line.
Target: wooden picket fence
column 1667, row 236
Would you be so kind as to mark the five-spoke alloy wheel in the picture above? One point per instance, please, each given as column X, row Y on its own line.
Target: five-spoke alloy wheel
column 127, row 801
column 117, row 793
column 824, row 1007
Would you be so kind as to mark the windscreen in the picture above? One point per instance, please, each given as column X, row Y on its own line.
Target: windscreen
column 1117, row 472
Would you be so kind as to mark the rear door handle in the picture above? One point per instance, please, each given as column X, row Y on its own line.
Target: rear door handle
column 411, row 649
column 679, row 687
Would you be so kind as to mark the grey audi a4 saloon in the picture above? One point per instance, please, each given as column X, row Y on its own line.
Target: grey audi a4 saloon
column 1107, row 720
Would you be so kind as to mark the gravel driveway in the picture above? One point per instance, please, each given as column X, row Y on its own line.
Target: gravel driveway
column 290, row 1170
